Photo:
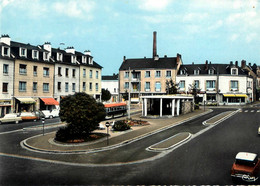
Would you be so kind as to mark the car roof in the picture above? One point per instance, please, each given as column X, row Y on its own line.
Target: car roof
column 246, row 156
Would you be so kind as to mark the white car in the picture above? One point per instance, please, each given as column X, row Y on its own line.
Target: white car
column 47, row 114
column 10, row 118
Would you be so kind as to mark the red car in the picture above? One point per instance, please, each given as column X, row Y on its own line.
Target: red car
column 246, row 167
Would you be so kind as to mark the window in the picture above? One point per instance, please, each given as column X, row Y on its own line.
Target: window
column 126, row 74
column 73, row 72
column 67, row 72
column 73, row 87
column 5, row 87
column 96, row 86
column 182, row 84
column 22, row 69
column 196, row 83
column 5, row 69
column 126, row 85
column 46, row 72
column 34, row 86
column 147, row 86
column 168, row 73
column 84, row 86
column 147, row 74
column 59, row 71
column 115, row 90
column 22, row 86
column 90, row 86
column 35, row 54
column 158, row 86
column 234, row 85
column 23, row 52
column 45, row 87
column 96, row 74
column 210, row 84
column 59, row 57
column 211, row 71
column 182, row 72
column 35, row 70
column 6, row 51
column 59, row 86
column 234, row 71
column 196, row 72
column 158, row 73
column 66, row 87
column 45, row 56
column 84, row 72
column 90, row 74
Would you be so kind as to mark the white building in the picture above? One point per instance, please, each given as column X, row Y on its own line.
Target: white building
column 111, row 83
column 218, row 83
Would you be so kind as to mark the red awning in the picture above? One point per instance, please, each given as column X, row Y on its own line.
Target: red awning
column 50, row 101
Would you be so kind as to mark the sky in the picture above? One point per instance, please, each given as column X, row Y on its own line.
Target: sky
column 219, row 31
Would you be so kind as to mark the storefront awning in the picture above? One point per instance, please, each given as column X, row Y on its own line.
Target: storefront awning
column 235, row 95
column 26, row 100
column 50, row 101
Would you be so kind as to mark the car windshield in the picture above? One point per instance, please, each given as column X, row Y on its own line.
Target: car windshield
column 247, row 162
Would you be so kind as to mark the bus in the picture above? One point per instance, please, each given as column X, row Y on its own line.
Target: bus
column 115, row 110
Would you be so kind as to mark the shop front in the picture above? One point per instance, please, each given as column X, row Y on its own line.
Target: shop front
column 48, row 104
column 24, row 104
column 234, row 99
column 5, row 107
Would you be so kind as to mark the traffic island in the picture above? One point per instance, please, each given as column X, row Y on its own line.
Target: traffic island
column 171, row 142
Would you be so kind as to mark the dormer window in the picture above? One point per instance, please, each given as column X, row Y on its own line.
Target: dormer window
column 211, row 71
column 23, row 52
column 73, row 59
column 6, row 51
column 196, row 72
column 90, row 60
column 234, row 71
column 84, row 59
column 35, row 54
column 182, row 72
column 45, row 56
column 59, row 57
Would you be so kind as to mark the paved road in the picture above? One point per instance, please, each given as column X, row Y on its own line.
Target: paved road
column 206, row 159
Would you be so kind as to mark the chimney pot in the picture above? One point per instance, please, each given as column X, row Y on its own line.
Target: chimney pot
column 154, row 45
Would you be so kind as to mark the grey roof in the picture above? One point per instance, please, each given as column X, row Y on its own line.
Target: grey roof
column 107, row 77
column 149, row 63
column 203, row 69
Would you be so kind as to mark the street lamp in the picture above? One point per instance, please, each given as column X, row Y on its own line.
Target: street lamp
column 107, row 125
column 129, row 95
column 43, row 121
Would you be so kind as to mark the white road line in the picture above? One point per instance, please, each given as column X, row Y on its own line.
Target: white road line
column 252, row 110
column 246, row 110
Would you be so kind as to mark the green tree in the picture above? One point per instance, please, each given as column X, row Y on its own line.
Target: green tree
column 82, row 114
column 194, row 91
column 106, row 95
column 171, row 87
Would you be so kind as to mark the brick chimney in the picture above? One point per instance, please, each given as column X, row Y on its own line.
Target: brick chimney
column 206, row 65
column 154, row 45
column 236, row 63
column 124, row 59
column 243, row 64
column 5, row 39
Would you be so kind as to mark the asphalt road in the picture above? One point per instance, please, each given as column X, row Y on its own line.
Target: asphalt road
column 205, row 159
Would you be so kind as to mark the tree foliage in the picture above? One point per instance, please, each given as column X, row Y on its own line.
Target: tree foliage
column 82, row 114
column 171, row 87
column 194, row 91
column 106, row 95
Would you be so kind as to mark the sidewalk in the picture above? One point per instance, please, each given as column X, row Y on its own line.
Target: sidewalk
column 47, row 144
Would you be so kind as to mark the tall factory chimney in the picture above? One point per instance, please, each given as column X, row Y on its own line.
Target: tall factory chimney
column 154, row 45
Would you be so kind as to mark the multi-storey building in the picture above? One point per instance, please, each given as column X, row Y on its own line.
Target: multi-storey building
column 147, row 76
column 37, row 77
column 111, row 83
column 7, row 75
column 218, row 83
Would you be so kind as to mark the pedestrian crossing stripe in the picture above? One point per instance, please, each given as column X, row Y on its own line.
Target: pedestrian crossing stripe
column 258, row 111
column 246, row 110
column 252, row 110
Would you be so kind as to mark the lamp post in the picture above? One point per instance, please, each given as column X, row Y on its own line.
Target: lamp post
column 107, row 125
column 43, row 121
column 129, row 94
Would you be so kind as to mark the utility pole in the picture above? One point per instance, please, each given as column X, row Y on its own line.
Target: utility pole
column 129, row 94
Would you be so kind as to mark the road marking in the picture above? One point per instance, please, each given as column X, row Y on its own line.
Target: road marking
column 246, row 110
column 258, row 110
column 252, row 110
column 12, row 131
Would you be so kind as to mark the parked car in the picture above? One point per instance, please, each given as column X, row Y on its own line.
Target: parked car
column 245, row 167
column 10, row 118
column 101, row 126
column 27, row 116
column 55, row 112
column 47, row 114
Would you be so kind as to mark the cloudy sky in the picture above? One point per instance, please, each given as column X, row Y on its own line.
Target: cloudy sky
column 216, row 30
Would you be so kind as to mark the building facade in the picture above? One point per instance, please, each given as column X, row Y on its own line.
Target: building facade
column 221, row 84
column 111, row 83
